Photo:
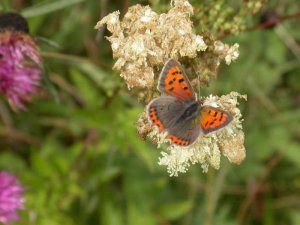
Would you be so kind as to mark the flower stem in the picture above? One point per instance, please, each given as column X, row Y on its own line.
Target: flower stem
column 213, row 191
column 209, row 198
column 74, row 58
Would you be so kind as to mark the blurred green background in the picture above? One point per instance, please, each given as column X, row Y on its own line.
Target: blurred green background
column 77, row 152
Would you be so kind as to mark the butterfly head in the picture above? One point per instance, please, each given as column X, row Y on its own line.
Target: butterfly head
column 200, row 101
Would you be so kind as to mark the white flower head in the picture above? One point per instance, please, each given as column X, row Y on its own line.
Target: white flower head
column 232, row 54
column 226, row 52
column 207, row 149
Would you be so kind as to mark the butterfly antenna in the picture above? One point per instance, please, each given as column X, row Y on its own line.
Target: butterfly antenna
column 199, row 87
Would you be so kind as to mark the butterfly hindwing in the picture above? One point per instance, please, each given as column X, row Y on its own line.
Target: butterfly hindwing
column 174, row 81
column 185, row 132
column 212, row 119
column 165, row 113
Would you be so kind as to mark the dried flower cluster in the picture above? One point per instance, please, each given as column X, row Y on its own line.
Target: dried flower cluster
column 142, row 42
column 11, row 198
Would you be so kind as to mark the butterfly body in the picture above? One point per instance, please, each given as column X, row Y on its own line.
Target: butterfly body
column 178, row 112
column 191, row 111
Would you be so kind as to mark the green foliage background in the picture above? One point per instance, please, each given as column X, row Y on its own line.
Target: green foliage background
column 77, row 152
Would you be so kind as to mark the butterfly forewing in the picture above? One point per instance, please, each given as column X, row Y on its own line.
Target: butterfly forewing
column 212, row 119
column 174, row 81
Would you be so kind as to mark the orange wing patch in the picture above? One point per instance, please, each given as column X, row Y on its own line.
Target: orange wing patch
column 177, row 85
column 213, row 119
column 178, row 141
column 155, row 121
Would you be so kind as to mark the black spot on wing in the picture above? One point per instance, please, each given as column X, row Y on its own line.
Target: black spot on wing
column 221, row 117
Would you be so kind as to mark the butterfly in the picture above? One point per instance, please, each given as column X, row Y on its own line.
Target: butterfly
column 178, row 112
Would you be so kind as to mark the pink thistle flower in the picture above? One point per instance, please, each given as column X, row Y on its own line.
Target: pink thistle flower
column 20, row 60
column 11, row 198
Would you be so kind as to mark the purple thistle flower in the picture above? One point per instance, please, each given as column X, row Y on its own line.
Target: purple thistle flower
column 11, row 198
column 20, row 71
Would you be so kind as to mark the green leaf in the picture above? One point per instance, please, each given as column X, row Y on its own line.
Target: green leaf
column 85, row 86
column 11, row 162
column 110, row 214
column 294, row 215
column 137, row 216
column 48, row 7
column 175, row 210
column 109, row 174
column 291, row 152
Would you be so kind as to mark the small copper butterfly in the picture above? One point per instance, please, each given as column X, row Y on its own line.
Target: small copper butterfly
column 178, row 112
